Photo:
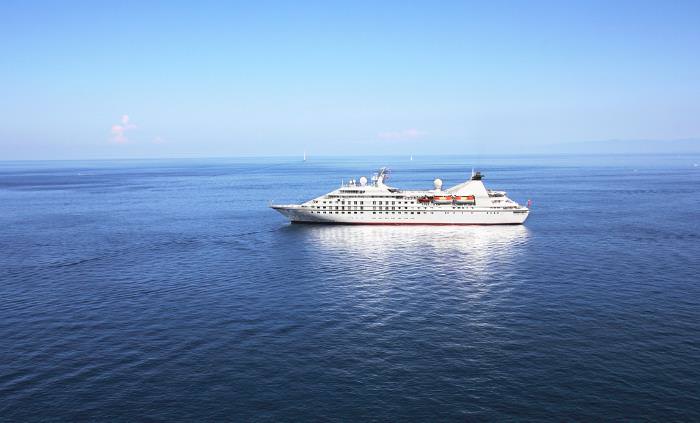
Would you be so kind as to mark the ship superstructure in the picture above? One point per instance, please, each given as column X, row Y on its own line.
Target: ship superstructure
column 373, row 202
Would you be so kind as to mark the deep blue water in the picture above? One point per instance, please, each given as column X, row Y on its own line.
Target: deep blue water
column 168, row 291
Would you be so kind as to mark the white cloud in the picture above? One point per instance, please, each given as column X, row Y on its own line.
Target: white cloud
column 119, row 131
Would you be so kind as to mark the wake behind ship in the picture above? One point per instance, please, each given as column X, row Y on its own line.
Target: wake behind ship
column 363, row 203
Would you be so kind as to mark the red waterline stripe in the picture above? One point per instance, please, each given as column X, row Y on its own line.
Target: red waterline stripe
column 402, row 223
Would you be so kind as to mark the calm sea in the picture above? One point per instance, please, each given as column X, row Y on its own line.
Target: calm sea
column 168, row 291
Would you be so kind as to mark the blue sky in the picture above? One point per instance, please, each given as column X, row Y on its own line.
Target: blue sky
column 170, row 79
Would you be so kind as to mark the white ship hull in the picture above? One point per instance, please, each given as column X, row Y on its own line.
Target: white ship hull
column 428, row 216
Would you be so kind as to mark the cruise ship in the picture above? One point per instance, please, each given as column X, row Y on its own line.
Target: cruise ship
column 371, row 202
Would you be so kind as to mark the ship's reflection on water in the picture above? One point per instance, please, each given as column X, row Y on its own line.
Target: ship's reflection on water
column 477, row 258
column 468, row 244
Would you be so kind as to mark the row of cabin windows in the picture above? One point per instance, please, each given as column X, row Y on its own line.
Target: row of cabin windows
column 360, row 196
column 362, row 202
column 387, row 212
column 374, row 212
column 393, row 203
column 379, row 208
column 373, row 202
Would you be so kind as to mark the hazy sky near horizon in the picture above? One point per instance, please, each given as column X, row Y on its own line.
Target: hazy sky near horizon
column 148, row 79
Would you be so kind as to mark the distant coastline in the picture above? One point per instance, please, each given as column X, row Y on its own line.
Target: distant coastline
column 684, row 146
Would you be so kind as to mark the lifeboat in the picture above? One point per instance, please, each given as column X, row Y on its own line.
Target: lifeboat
column 424, row 200
column 464, row 199
column 442, row 199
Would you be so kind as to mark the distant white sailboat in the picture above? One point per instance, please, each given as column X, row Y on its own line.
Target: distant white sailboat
column 304, row 155
column 411, row 157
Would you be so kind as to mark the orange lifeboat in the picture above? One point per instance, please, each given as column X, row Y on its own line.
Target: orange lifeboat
column 464, row 199
column 424, row 199
column 442, row 199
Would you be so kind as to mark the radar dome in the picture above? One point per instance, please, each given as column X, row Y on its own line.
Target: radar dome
column 363, row 181
column 438, row 184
